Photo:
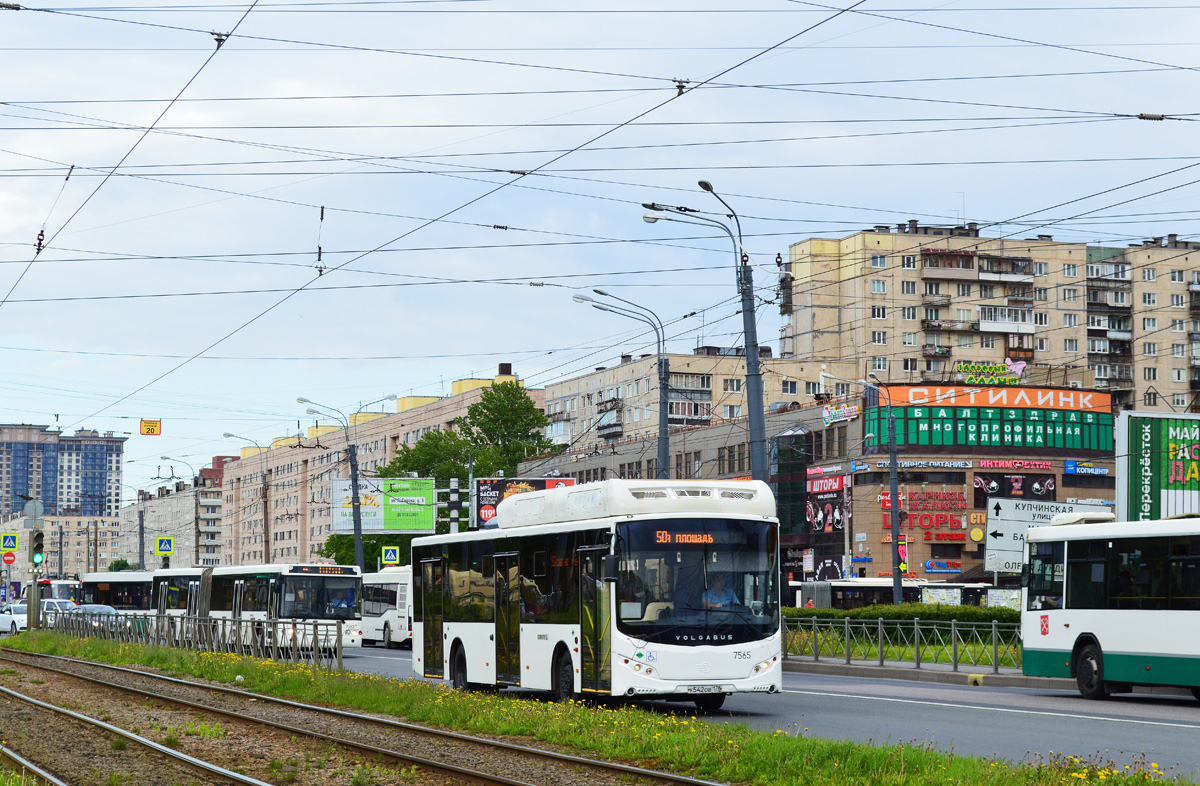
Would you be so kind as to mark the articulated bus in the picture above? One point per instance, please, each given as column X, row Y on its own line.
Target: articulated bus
column 387, row 607
column 125, row 590
column 1112, row 605
column 276, row 592
column 638, row 588
column 58, row 589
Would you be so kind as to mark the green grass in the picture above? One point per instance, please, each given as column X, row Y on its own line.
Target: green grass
column 677, row 742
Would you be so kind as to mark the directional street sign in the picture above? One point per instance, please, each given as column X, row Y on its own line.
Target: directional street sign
column 1009, row 518
column 164, row 547
column 391, row 555
column 10, row 541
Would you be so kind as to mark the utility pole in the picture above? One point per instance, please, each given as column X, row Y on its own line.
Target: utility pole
column 142, row 536
column 355, row 503
column 196, row 517
column 454, row 505
column 266, row 500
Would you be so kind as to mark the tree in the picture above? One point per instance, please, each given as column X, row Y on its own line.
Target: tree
column 340, row 548
column 120, row 564
column 505, row 427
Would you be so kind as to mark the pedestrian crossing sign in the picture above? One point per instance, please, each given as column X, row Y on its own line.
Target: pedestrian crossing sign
column 164, row 547
column 10, row 541
column 391, row 555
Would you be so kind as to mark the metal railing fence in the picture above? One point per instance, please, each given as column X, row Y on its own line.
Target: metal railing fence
column 281, row 641
column 919, row 642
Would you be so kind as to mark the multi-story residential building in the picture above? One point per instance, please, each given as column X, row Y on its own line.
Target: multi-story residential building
column 278, row 496
column 76, row 545
column 705, row 388
column 914, row 304
column 78, row 475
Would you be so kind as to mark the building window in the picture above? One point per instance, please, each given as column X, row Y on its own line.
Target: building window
column 1041, row 345
column 812, row 388
column 879, row 337
column 1177, row 276
column 1041, row 318
column 878, row 260
column 933, row 287
column 910, row 364
column 908, row 287
column 966, row 340
column 964, row 290
column 1177, row 301
column 933, row 314
column 1149, row 299
column 1071, row 345
column 1150, row 348
column 1070, row 320
column 1148, row 274
column 1177, row 375
column 733, row 411
column 732, row 384
column 878, row 312
column 1041, row 268
column 841, row 389
column 878, row 363
column 987, row 291
column 1150, row 398
column 1041, row 293
column 1070, row 270
column 1150, row 374
column 908, row 313
column 1120, row 298
column 908, row 262
column 1179, row 399
column 909, row 339
column 1178, row 326
column 1149, row 323
column 1070, row 295
column 1097, row 345
column 789, row 387
column 1178, row 350
column 987, row 342
column 878, row 286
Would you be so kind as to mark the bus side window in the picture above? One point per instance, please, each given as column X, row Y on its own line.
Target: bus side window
column 1045, row 576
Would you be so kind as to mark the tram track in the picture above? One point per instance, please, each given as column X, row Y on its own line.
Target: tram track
column 455, row 755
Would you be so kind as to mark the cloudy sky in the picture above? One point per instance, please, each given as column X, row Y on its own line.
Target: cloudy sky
column 465, row 166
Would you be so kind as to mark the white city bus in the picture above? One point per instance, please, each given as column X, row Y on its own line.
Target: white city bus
column 58, row 589
column 608, row 588
column 387, row 607
column 124, row 590
column 1113, row 604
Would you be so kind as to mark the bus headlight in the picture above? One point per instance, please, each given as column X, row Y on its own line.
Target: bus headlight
column 760, row 667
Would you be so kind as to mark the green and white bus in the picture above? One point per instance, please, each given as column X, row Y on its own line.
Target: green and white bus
column 1113, row 604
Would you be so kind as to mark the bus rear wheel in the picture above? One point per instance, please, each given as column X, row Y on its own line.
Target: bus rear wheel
column 1089, row 673
column 387, row 637
column 709, row 702
column 458, row 671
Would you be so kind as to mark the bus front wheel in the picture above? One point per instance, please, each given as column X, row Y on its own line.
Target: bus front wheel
column 564, row 679
column 1089, row 672
column 387, row 637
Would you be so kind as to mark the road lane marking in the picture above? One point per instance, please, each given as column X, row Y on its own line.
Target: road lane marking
column 990, row 708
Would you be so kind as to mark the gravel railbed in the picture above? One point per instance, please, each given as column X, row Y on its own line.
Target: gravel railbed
column 475, row 756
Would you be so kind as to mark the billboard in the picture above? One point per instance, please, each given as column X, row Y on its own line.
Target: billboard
column 1158, row 465
column 490, row 491
column 830, row 504
column 391, row 505
column 964, row 420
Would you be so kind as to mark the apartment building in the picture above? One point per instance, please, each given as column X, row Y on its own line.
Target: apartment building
column 76, row 545
column 277, row 497
column 76, row 475
column 706, row 388
column 916, row 303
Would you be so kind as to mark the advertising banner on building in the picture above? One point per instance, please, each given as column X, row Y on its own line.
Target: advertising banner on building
column 392, row 505
column 830, row 503
column 490, row 491
column 982, row 420
column 1158, row 465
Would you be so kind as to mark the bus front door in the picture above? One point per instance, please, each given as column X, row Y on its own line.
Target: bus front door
column 508, row 620
column 595, row 625
column 432, row 591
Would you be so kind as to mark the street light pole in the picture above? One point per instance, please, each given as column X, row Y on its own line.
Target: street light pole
column 759, row 468
column 351, row 426
column 894, row 484
column 195, row 507
column 664, row 371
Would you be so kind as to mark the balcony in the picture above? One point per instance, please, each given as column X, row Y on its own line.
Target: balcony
column 1194, row 303
column 935, row 351
column 1194, row 384
column 210, row 516
column 933, row 376
column 1193, row 287
column 1121, row 335
column 998, row 319
column 935, row 300
column 1020, row 353
column 1104, row 306
column 947, row 324
column 207, row 527
column 609, row 405
column 614, row 430
column 1194, row 362
column 558, row 417
column 1110, row 283
column 1019, row 301
column 1119, row 384
column 1009, row 269
column 948, row 264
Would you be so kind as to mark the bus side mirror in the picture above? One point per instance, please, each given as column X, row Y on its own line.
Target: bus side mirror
column 1025, row 575
column 612, row 565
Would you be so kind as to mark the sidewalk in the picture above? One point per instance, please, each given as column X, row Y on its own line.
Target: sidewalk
column 1008, row 677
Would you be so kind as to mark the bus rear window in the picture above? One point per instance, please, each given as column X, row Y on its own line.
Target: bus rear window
column 1045, row 576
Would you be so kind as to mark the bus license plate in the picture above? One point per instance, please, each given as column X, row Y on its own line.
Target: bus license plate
column 704, row 689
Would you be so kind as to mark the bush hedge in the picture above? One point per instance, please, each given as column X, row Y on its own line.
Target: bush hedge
column 910, row 611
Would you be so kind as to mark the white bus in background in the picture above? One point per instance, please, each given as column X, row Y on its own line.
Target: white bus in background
column 387, row 607
column 1113, row 604
column 124, row 590
column 608, row 589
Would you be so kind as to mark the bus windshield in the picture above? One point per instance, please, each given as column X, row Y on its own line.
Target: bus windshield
column 321, row 597
column 697, row 581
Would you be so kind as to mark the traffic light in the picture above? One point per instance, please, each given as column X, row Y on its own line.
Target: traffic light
column 166, row 562
column 37, row 555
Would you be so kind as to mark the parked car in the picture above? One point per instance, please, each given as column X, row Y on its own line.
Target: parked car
column 13, row 619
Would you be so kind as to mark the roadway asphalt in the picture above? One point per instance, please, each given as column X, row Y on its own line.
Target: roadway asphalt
column 1007, row 717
